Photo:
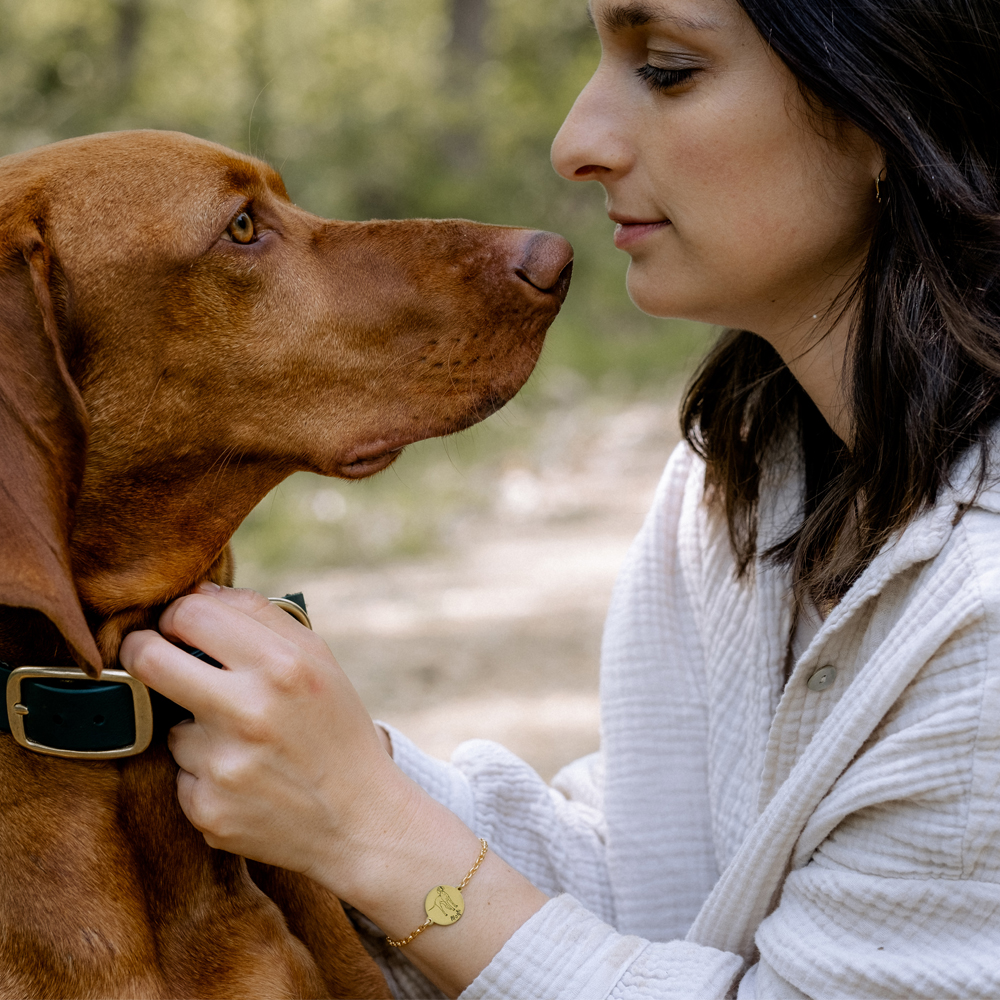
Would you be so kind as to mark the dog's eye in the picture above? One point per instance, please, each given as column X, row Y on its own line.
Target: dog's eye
column 241, row 228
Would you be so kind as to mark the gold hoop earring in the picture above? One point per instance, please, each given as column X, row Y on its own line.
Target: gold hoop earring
column 879, row 181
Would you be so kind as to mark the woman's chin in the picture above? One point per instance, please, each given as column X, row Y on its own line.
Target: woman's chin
column 650, row 292
column 655, row 294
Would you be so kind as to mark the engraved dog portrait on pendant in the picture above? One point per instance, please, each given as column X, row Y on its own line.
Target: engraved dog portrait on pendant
column 444, row 904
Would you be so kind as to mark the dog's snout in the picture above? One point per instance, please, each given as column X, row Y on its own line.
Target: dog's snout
column 546, row 263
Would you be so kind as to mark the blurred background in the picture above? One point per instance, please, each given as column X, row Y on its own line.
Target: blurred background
column 463, row 590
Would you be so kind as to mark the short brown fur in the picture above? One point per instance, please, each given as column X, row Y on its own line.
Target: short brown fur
column 157, row 380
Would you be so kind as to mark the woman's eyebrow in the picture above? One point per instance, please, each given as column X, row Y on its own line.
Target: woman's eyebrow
column 637, row 14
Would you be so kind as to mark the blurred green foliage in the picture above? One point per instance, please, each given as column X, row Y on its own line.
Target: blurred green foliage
column 370, row 108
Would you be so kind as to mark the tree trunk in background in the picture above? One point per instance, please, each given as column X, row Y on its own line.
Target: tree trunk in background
column 468, row 24
column 131, row 20
column 467, row 50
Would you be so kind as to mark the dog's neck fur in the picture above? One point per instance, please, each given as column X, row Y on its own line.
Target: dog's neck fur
column 125, row 576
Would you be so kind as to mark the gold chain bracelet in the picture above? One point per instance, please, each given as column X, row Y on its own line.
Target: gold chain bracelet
column 444, row 904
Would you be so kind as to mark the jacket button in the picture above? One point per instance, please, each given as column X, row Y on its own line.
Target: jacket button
column 823, row 678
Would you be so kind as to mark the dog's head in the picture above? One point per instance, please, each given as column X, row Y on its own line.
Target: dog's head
column 178, row 337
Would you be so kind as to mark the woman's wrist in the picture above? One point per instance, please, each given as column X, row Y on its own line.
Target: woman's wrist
column 418, row 843
column 403, row 835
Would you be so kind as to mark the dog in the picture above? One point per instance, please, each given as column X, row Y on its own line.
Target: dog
column 176, row 338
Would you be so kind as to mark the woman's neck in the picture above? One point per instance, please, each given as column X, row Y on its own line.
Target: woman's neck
column 819, row 366
column 813, row 343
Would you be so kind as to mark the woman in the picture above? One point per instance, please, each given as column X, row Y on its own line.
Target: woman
column 799, row 786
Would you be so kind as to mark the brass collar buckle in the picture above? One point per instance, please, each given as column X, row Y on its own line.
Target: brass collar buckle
column 17, row 711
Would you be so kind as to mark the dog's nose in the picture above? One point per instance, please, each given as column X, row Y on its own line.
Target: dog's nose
column 546, row 263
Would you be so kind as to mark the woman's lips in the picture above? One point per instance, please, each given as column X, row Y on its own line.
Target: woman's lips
column 627, row 234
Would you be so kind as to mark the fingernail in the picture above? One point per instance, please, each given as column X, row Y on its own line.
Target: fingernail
column 206, row 586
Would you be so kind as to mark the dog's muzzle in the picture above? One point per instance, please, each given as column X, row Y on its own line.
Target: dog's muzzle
column 63, row 712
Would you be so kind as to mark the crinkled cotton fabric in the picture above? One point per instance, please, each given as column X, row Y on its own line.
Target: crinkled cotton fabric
column 740, row 835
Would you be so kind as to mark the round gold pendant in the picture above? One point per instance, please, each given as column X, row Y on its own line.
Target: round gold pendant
column 444, row 905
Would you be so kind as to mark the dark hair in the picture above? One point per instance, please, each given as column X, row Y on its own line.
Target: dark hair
column 921, row 78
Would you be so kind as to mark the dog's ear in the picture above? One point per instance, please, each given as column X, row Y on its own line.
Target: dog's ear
column 43, row 444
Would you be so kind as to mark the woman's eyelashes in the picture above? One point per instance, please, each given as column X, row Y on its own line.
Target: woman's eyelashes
column 658, row 78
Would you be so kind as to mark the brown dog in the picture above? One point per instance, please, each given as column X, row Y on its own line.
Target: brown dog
column 176, row 338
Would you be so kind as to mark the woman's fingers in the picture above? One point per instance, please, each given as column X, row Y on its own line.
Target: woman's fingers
column 197, row 791
column 210, row 783
column 177, row 675
column 191, row 796
column 239, row 628
column 188, row 745
column 253, row 605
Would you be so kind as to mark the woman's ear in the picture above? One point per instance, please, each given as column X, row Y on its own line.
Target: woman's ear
column 43, row 445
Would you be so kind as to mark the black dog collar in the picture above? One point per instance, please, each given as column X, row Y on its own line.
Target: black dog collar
column 61, row 711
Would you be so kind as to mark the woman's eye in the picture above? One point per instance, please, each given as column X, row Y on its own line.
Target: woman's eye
column 241, row 228
column 662, row 79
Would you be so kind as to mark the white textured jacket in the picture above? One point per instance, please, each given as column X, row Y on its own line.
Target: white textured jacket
column 740, row 834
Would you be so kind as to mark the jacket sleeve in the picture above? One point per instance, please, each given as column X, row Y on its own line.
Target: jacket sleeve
column 554, row 835
column 566, row 953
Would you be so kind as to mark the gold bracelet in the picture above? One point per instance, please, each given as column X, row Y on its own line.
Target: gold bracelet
column 444, row 903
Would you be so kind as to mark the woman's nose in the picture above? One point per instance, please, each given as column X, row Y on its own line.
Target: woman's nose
column 589, row 145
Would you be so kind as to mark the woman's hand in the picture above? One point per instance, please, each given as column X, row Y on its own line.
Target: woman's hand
column 281, row 762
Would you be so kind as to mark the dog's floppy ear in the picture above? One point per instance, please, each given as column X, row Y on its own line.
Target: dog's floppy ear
column 43, row 444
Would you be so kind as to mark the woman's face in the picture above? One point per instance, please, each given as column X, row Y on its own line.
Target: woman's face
column 737, row 205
